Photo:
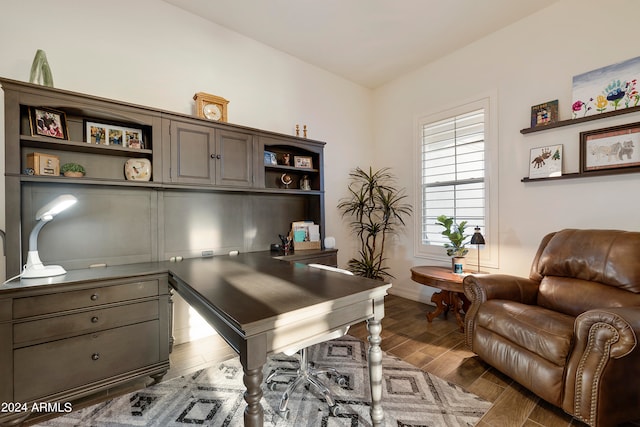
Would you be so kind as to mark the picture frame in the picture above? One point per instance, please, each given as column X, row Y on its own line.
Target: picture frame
column 544, row 114
column 606, row 89
column 110, row 134
column 304, row 162
column 610, row 149
column 48, row 122
column 545, row 162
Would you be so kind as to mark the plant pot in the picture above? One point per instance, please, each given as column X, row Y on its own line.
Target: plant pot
column 73, row 174
column 458, row 264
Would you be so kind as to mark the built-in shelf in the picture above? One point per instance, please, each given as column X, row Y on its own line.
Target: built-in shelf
column 570, row 122
column 84, row 147
column 291, row 168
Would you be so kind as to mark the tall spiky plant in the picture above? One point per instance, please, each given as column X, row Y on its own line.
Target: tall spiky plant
column 377, row 209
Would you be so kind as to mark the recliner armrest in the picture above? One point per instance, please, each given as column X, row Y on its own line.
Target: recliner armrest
column 482, row 287
column 605, row 355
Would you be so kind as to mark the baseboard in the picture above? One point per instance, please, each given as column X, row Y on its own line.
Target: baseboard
column 415, row 293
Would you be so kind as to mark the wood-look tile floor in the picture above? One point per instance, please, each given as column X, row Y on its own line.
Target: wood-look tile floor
column 436, row 347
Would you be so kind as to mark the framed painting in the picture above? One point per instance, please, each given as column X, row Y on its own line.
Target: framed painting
column 545, row 162
column 610, row 88
column 611, row 148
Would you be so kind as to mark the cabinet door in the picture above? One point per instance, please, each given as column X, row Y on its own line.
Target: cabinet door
column 192, row 153
column 234, row 154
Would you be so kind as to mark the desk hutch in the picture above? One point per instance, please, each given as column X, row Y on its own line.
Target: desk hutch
column 210, row 192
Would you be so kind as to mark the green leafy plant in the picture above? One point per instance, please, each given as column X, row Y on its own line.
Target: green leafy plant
column 455, row 233
column 377, row 209
column 72, row 167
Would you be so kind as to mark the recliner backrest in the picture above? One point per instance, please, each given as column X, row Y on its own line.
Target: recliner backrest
column 584, row 269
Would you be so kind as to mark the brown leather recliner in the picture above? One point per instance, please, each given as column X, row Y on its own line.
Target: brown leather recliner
column 569, row 333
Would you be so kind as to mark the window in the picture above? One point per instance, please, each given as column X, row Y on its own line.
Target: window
column 453, row 174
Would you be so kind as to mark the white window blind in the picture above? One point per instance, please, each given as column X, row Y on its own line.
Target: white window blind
column 453, row 173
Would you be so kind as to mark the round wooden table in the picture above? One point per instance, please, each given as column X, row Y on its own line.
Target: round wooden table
column 451, row 295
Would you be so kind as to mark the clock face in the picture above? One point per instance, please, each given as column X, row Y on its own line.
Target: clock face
column 212, row 111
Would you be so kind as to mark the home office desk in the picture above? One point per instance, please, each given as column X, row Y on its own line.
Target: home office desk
column 260, row 306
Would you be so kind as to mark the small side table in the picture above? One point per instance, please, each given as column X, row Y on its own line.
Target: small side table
column 451, row 295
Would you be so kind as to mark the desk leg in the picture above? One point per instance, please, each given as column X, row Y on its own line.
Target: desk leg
column 253, row 413
column 375, row 371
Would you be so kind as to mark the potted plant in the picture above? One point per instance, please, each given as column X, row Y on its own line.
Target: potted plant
column 377, row 209
column 72, row 170
column 456, row 248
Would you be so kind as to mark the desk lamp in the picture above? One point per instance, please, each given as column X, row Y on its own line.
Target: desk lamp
column 477, row 239
column 34, row 267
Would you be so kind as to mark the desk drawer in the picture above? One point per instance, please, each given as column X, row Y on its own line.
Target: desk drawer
column 56, row 366
column 61, row 301
column 82, row 323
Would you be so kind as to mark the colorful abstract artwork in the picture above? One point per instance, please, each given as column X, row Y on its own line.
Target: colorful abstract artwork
column 606, row 89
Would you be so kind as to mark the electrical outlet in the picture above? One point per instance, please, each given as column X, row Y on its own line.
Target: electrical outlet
column 207, row 253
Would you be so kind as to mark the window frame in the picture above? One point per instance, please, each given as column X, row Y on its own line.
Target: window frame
column 488, row 252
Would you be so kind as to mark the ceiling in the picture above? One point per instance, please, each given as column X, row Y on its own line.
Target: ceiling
column 369, row 42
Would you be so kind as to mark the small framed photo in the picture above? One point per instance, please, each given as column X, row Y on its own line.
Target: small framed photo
column 544, row 114
column 133, row 138
column 48, row 122
column 109, row 134
column 545, row 162
column 96, row 133
column 305, row 162
column 612, row 148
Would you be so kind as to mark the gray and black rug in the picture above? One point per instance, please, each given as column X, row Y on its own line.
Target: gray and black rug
column 213, row 397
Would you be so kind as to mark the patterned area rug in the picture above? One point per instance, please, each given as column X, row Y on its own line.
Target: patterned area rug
column 213, row 397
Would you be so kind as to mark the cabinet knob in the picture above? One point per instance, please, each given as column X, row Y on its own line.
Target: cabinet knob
column 95, row 356
column 213, row 156
column 94, row 297
column 218, row 156
column 94, row 319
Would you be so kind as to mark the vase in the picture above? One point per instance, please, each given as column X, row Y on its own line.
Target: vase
column 457, row 264
column 137, row 169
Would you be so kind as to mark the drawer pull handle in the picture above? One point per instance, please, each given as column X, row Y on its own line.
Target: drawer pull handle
column 94, row 297
column 94, row 319
column 95, row 356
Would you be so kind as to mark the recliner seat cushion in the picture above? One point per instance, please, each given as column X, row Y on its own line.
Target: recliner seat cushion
column 541, row 331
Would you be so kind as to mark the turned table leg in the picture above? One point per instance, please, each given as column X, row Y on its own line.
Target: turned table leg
column 375, row 371
column 253, row 413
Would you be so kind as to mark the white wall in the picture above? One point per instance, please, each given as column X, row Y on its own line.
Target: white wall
column 150, row 53
column 530, row 62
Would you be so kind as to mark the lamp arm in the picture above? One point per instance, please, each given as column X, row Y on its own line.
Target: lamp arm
column 33, row 237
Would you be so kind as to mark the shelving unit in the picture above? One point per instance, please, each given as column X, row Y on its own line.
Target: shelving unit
column 209, row 187
column 570, row 122
column 274, row 173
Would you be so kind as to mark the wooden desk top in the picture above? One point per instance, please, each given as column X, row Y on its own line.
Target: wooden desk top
column 252, row 287
column 438, row 277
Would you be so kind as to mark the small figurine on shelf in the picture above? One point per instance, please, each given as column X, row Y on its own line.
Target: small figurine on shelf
column 304, row 131
column 304, row 183
column 297, row 130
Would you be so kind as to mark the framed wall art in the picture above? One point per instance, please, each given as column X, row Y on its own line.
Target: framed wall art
column 609, row 88
column 611, row 148
column 48, row 122
column 545, row 162
column 544, row 114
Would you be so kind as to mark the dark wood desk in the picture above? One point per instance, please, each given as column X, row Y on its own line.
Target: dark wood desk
column 451, row 295
column 261, row 305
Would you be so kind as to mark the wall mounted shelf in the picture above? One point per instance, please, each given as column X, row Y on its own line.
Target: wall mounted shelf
column 570, row 122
